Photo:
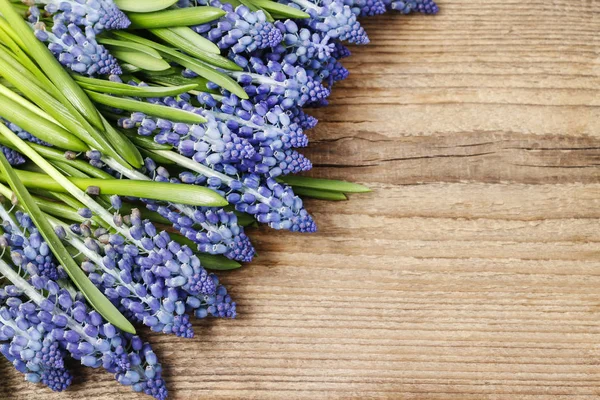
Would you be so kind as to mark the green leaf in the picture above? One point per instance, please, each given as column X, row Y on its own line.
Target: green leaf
column 45, row 130
column 172, row 114
column 144, row 6
column 61, row 111
column 192, row 49
column 324, row 184
column 188, row 194
column 127, row 150
column 50, row 65
column 218, row 263
column 129, row 45
column 178, row 17
column 280, row 9
column 86, row 287
column 130, row 68
column 320, row 194
column 140, row 60
column 195, row 65
column 176, row 80
column 195, row 39
column 123, row 89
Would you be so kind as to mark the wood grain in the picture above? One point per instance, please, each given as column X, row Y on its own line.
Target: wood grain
column 472, row 270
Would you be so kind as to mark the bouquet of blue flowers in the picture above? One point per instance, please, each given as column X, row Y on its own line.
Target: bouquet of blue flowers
column 140, row 139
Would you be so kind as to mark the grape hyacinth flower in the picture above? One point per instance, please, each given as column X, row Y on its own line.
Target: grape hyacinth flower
column 409, row 6
column 213, row 230
column 267, row 200
column 304, row 121
column 340, row 51
column 113, row 269
column 99, row 14
column 302, row 45
column 240, row 29
column 333, row 18
column 213, row 143
column 366, row 8
column 27, row 345
column 281, row 82
column 28, row 248
column 84, row 335
column 14, row 157
column 310, row 50
column 56, row 379
column 78, row 50
column 258, row 122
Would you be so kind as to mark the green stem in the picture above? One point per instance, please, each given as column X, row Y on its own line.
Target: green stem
column 176, row 17
column 188, row 194
column 194, row 50
column 172, row 114
column 38, row 126
column 144, row 6
column 123, row 89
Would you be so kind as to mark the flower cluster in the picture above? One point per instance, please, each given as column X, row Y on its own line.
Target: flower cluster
column 240, row 29
column 77, row 49
column 228, row 117
column 72, row 36
column 42, row 322
column 409, row 6
column 28, row 248
column 99, row 14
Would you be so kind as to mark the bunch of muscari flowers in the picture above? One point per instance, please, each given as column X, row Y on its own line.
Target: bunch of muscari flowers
column 70, row 27
column 44, row 321
column 240, row 152
column 158, row 285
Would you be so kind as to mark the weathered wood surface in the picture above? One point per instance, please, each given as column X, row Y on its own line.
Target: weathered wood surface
column 471, row 272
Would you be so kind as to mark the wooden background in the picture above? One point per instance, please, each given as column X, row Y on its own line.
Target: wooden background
column 471, row 272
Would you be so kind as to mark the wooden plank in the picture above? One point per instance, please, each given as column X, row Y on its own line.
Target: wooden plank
column 471, row 271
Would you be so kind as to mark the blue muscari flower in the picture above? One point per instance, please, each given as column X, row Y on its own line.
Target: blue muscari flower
column 24, row 134
column 303, row 120
column 258, row 122
column 98, row 14
column 274, row 163
column 214, row 230
column 301, row 45
column 78, row 50
column 211, row 143
column 14, row 157
column 111, row 266
column 267, row 200
column 333, row 18
column 28, row 248
column 366, row 8
column 26, row 336
column 55, row 379
column 409, row 6
column 287, row 83
column 310, row 50
column 240, row 29
column 218, row 305
column 340, row 51
column 84, row 335
column 166, row 260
